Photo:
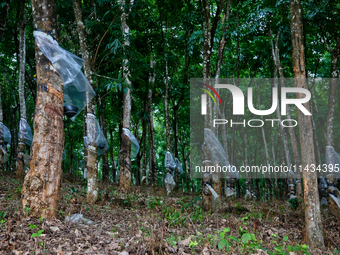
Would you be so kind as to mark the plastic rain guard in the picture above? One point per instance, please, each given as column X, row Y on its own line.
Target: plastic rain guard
column 25, row 132
column 169, row 183
column 169, row 161
column 179, row 166
column 134, row 142
column 5, row 134
column 218, row 155
column 77, row 90
column 98, row 139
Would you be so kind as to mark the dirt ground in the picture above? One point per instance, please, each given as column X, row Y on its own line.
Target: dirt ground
column 146, row 221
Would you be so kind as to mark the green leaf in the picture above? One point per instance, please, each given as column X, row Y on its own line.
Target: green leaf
column 246, row 238
column 222, row 243
column 233, row 238
column 285, row 238
column 226, row 230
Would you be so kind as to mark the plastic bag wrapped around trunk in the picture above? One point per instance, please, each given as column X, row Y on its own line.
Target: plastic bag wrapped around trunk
column 25, row 132
column 95, row 135
column 77, row 90
column 169, row 161
column 218, row 155
column 179, row 166
column 5, row 134
column 169, row 183
column 330, row 152
column 5, row 155
column 134, row 142
column 216, row 200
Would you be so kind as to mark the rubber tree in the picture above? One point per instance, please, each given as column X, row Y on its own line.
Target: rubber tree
column 314, row 234
column 125, row 147
column 3, row 20
column 40, row 190
column 20, row 165
column 92, row 154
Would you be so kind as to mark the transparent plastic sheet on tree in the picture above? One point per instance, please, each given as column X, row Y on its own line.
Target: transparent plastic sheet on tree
column 216, row 200
column 169, row 161
column 134, row 142
column 77, row 90
column 25, row 132
column 218, row 155
column 179, row 166
column 169, row 183
column 5, row 134
column 4, row 153
column 336, row 161
column 247, row 196
column 95, row 134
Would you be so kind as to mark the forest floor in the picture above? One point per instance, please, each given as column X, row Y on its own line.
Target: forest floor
column 148, row 222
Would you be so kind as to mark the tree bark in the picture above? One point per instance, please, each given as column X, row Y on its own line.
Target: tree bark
column 125, row 152
column 152, row 151
column 291, row 131
column 105, row 156
column 206, row 177
column 92, row 154
column 314, row 233
column 20, row 171
column 332, row 94
column 112, row 158
column 41, row 185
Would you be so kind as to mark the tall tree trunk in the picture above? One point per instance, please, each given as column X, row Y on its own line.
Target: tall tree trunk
column 143, row 172
column 152, row 151
column 92, row 154
column 314, row 233
column 206, row 177
column 112, row 158
column 22, row 51
column 332, row 93
column 105, row 156
column 175, row 110
column 42, row 182
column 143, row 146
column 291, row 131
column 71, row 147
column 125, row 152
column 278, row 112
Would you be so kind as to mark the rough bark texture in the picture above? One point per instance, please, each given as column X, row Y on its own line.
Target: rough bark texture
column 206, row 178
column 91, row 164
column 175, row 109
column 225, row 23
column 278, row 112
column 291, row 132
column 125, row 148
column 314, row 234
column 41, row 185
column 105, row 156
column 20, row 166
column 112, row 158
column 152, row 151
column 332, row 94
